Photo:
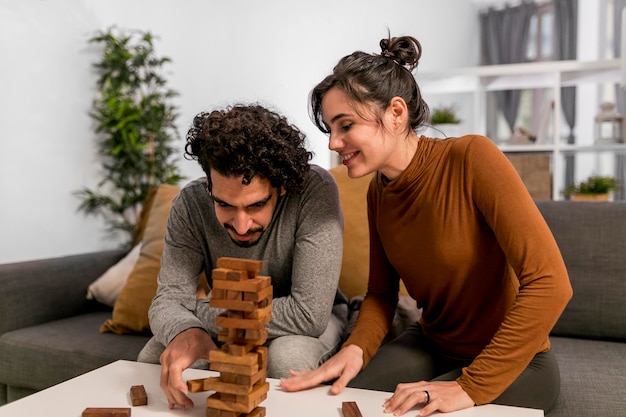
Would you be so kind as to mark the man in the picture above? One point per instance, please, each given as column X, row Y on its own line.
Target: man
column 261, row 199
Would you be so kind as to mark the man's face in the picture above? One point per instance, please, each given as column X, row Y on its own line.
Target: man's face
column 245, row 211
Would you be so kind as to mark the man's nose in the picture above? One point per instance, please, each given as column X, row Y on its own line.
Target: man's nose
column 242, row 222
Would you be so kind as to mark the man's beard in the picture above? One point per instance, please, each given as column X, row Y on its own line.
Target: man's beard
column 247, row 243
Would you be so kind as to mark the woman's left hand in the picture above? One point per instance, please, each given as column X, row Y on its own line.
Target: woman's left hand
column 444, row 396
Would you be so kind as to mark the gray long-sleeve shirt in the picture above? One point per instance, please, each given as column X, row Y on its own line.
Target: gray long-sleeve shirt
column 301, row 250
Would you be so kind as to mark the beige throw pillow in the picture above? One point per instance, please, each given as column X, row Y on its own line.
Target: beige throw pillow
column 108, row 286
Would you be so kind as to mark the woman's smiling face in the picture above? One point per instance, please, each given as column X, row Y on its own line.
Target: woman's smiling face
column 363, row 144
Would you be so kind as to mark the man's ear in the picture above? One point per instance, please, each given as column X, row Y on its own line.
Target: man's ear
column 208, row 185
column 282, row 191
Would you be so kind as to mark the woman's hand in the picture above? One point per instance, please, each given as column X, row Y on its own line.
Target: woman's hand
column 344, row 366
column 444, row 396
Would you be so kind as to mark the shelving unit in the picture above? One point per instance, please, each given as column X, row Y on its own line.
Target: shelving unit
column 478, row 81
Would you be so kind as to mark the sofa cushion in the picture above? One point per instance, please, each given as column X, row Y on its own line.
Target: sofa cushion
column 130, row 313
column 596, row 270
column 592, row 377
column 355, row 265
column 40, row 356
column 356, row 248
column 106, row 289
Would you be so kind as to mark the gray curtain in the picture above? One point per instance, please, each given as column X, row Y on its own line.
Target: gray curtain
column 566, row 33
column 620, row 97
column 504, row 36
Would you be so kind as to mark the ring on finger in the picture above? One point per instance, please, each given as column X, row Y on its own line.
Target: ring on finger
column 427, row 396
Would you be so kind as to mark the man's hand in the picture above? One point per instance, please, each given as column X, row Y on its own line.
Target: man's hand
column 444, row 396
column 186, row 348
column 344, row 366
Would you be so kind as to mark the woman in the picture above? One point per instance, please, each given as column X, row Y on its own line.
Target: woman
column 454, row 221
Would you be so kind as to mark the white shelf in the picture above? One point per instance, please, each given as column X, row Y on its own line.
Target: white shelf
column 550, row 75
column 519, row 76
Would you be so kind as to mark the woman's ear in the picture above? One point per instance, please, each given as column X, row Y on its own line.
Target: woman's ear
column 398, row 112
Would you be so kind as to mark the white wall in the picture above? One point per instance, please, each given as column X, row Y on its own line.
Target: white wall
column 271, row 51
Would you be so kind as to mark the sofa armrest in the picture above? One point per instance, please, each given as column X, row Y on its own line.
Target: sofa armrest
column 40, row 291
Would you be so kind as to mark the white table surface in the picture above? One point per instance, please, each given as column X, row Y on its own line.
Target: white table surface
column 109, row 386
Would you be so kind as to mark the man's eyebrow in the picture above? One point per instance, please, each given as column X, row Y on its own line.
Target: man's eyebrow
column 224, row 203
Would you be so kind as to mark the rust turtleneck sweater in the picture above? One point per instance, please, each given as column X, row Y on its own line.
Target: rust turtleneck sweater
column 475, row 253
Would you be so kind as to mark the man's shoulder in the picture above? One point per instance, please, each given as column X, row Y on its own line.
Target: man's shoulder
column 317, row 175
column 192, row 191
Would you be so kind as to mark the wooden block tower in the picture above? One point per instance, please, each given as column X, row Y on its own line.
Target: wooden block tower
column 242, row 360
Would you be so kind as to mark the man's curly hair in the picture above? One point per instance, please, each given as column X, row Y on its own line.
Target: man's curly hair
column 249, row 141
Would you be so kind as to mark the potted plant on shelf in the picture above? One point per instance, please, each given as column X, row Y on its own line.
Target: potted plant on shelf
column 594, row 188
column 135, row 126
column 444, row 122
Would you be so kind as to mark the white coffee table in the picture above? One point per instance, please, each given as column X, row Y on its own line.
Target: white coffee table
column 109, row 386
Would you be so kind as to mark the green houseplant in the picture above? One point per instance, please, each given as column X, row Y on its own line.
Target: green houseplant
column 595, row 188
column 444, row 115
column 135, row 125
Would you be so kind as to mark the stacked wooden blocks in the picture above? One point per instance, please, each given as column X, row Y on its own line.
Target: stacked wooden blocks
column 242, row 360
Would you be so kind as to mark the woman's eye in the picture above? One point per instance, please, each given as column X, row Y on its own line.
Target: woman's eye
column 346, row 127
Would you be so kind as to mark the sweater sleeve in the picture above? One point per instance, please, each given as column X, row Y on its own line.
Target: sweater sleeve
column 377, row 310
column 535, row 259
column 173, row 308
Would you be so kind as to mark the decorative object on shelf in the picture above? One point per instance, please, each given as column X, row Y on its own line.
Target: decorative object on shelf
column 609, row 125
column 594, row 188
column 135, row 126
column 444, row 122
column 444, row 115
column 522, row 136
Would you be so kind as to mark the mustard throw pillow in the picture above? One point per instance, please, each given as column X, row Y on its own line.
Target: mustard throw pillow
column 356, row 248
column 130, row 312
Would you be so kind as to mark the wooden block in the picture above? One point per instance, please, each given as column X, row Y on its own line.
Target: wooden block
column 263, row 314
column 243, row 380
column 234, row 369
column 216, row 384
column 250, row 285
column 106, row 412
column 234, row 295
column 252, row 379
column 223, row 302
column 258, row 295
column 255, row 337
column 233, row 323
column 217, row 294
column 239, row 349
column 350, row 409
column 249, row 265
column 234, row 314
column 138, row 395
column 220, row 274
column 257, row 412
column 262, row 354
column 236, row 275
column 258, row 394
column 261, row 351
column 196, row 385
column 215, row 412
column 224, row 357
column 256, row 334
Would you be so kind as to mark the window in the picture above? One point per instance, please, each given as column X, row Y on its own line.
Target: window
column 534, row 103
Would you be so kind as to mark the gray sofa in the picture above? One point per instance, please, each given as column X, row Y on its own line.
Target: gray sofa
column 49, row 331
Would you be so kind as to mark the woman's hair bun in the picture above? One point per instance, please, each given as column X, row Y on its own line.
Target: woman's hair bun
column 404, row 50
